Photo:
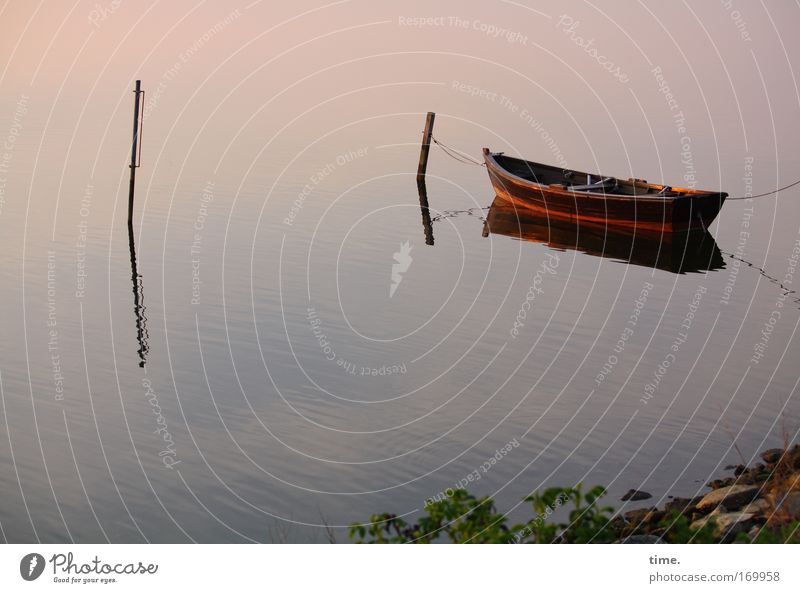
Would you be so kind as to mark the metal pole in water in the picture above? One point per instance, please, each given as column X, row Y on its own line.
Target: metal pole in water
column 426, row 145
column 133, row 165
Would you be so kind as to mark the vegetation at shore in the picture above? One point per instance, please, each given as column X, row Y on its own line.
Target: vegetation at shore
column 759, row 504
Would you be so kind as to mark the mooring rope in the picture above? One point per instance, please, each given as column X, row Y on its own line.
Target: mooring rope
column 769, row 193
column 786, row 290
column 461, row 157
column 454, row 213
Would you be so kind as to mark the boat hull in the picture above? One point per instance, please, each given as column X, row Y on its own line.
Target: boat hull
column 692, row 210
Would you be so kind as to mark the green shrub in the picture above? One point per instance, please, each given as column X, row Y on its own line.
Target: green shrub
column 463, row 518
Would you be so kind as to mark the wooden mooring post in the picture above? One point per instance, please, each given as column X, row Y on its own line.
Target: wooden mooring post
column 135, row 153
column 426, row 145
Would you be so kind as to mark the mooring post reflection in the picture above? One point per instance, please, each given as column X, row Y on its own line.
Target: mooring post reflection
column 426, row 213
column 138, row 302
column 679, row 253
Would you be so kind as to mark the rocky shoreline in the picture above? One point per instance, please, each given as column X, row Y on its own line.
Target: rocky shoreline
column 757, row 502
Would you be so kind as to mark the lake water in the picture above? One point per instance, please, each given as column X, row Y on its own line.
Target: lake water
column 295, row 347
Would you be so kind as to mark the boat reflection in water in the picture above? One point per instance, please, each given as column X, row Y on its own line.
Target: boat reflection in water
column 679, row 253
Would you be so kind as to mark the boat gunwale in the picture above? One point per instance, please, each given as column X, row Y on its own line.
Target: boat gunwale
column 491, row 163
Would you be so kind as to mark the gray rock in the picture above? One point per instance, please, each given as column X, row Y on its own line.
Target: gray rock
column 731, row 497
column 753, row 533
column 790, row 504
column 683, row 505
column 726, row 523
column 636, row 495
column 637, row 516
column 772, row 455
column 721, row 483
column 758, row 507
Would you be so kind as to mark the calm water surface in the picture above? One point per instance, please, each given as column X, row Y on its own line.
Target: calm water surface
column 296, row 346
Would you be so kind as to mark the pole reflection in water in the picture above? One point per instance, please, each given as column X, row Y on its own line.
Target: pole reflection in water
column 138, row 303
column 427, row 227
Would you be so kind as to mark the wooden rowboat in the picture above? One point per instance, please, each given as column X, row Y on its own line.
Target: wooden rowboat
column 679, row 253
column 631, row 206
